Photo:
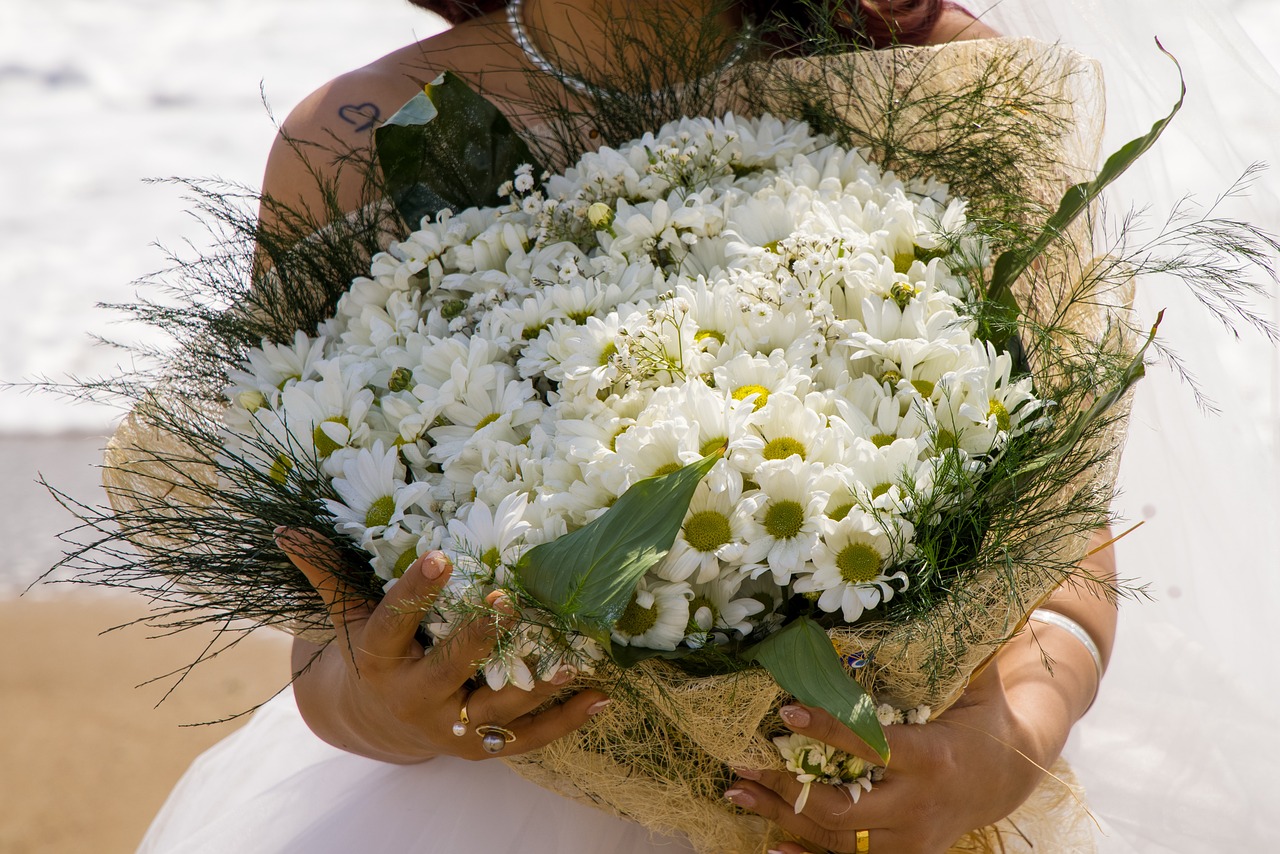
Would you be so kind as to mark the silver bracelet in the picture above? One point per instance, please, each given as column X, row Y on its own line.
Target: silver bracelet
column 1053, row 618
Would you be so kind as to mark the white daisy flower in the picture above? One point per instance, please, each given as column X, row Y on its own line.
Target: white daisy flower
column 785, row 525
column 850, row 566
column 373, row 492
column 491, row 538
column 656, row 617
column 713, row 531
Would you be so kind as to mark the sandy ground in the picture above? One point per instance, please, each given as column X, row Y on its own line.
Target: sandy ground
column 86, row 755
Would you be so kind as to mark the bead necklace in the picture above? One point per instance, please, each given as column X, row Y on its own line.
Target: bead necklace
column 515, row 17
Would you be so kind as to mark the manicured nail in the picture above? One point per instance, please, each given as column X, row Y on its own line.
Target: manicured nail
column 564, row 674
column 775, row 851
column 796, row 715
column 280, row 529
column 503, row 605
column 747, row 773
column 598, row 706
column 433, row 565
column 741, row 797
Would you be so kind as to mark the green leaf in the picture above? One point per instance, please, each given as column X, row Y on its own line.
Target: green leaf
column 590, row 575
column 447, row 148
column 803, row 662
column 1075, row 201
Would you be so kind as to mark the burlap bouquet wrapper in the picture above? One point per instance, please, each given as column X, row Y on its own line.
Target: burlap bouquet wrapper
column 661, row 754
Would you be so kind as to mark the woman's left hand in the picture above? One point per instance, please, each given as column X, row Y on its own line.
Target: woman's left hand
column 969, row 767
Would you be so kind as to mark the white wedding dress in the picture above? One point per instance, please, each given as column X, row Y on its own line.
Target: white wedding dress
column 1179, row 753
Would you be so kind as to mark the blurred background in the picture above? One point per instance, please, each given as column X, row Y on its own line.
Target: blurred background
column 98, row 96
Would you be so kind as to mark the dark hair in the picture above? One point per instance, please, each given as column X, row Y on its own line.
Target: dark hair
column 878, row 22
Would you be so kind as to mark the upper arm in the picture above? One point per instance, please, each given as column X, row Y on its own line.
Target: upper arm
column 319, row 154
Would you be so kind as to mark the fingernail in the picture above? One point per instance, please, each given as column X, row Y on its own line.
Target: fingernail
column 433, row 565
column 775, row 851
column 503, row 605
column 747, row 773
column 598, row 706
column 563, row 675
column 280, row 529
column 741, row 797
column 796, row 715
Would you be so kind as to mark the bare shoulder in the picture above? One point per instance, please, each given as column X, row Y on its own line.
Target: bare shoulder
column 338, row 118
column 955, row 24
column 316, row 140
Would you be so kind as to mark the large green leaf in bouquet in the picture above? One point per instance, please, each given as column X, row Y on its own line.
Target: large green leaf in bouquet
column 448, row 147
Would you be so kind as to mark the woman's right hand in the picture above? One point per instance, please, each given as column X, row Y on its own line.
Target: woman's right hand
column 375, row 691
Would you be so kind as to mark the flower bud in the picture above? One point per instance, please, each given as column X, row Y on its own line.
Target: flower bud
column 600, row 215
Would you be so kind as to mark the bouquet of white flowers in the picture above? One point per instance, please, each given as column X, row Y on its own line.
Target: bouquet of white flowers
column 729, row 409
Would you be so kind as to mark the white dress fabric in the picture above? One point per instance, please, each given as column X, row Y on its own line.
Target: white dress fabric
column 1180, row 752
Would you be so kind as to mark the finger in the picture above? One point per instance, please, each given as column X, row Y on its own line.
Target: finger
column 757, row 799
column 833, row 806
column 819, row 724
column 488, row 706
column 535, row 731
column 390, row 631
column 315, row 557
column 454, row 660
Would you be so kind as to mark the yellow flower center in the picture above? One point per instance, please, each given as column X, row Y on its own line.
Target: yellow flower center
column 743, row 392
column 882, row 440
column 486, row 421
column 902, row 261
column 380, row 512
column 636, row 620
column 784, row 519
column 924, row 387
column 707, row 530
column 783, row 447
column 280, row 469
column 879, row 489
column 325, row 445
column 404, row 562
column 491, row 558
column 996, row 408
column 609, row 351
column 704, row 334
column 840, row 512
column 669, row 468
column 712, row 445
column 859, row 563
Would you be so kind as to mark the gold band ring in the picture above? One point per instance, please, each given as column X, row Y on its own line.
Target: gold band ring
column 862, row 841
column 494, row 738
column 460, row 725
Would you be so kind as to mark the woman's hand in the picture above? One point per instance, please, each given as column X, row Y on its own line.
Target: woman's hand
column 972, row 765
column 376, row 692
column 963, row 770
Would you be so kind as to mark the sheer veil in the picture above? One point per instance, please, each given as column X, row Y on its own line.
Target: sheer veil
column 1180, row 752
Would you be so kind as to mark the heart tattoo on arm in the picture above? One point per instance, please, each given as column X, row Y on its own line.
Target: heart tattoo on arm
column 363, row 116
